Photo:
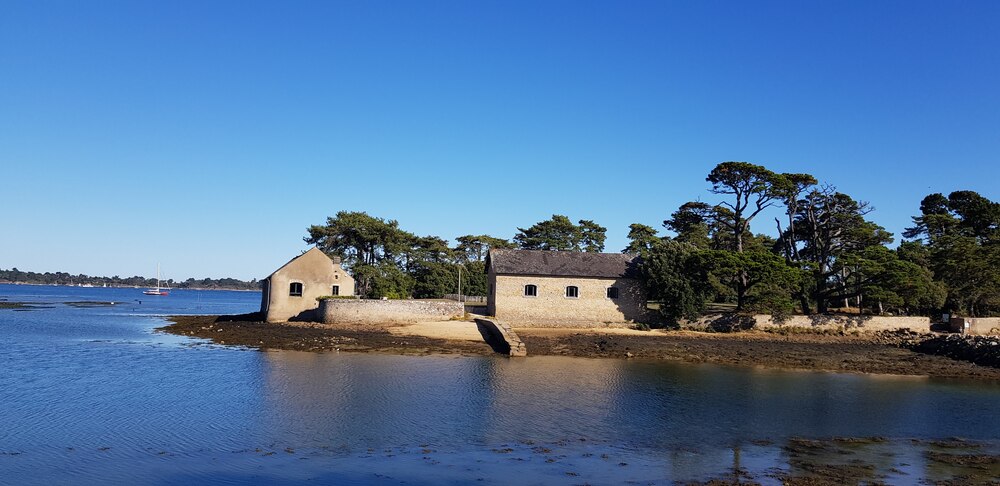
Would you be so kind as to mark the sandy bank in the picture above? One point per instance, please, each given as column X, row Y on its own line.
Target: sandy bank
column 449, row 330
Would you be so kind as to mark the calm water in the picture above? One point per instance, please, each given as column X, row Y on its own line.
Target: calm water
column 91, row 394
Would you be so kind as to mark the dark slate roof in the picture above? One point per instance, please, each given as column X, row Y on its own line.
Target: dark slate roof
column 563, row 263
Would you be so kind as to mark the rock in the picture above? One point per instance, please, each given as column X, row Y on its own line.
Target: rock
column 977, row 349
column 629, row 355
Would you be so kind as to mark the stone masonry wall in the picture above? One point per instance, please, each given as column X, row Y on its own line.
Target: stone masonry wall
column 977, row 326
column 818, row 322
column 551, row 308
column 361, row 311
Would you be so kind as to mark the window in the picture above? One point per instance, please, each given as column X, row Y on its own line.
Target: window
column 295, row 289
column 572, row 291
column 612, row 292
column 336, row 290
column 530, row 291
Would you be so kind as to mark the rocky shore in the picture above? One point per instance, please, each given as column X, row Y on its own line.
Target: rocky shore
column 249, row 331
column 877, row 353
column 981, row 350
column 898, row 353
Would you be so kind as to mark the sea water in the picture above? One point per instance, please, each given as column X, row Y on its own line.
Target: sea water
column 90, row 393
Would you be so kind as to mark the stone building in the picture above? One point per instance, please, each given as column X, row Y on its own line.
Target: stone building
column 563, row 288
column 290, row 292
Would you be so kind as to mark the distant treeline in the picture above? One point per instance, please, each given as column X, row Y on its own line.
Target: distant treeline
column 62, row 278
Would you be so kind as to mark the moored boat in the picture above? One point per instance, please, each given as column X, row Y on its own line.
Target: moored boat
column 157, row 290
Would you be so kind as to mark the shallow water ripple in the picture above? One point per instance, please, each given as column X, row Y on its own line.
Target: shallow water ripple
column 91, row 395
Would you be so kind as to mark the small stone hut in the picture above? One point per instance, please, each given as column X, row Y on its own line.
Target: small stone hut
column 290, row 292
column 564, row 288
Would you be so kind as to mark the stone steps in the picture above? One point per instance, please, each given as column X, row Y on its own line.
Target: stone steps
column 502, row 332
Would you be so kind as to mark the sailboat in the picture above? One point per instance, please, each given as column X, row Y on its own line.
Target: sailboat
column 157, row 290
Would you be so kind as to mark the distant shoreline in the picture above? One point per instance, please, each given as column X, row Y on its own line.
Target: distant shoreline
column 122, row 287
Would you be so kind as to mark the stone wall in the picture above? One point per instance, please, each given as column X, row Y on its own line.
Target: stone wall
column 814, row 322
column 362, row 311
column 978, row 326
column 551, row 308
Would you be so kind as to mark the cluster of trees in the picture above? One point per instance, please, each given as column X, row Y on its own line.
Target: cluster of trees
column 387, row 261
column 958, row 239
column 559, row 233
column 61, row 278
column 827, row 253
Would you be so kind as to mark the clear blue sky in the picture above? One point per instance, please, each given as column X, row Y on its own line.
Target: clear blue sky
column 208, row 135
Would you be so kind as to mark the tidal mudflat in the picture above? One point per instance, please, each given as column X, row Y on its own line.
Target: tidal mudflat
column 875, row 354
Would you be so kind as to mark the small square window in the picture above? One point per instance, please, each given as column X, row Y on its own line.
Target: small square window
column 572, row 291
column 336, row 290
column 295, row 289
column 530, row 290
column 612, row 292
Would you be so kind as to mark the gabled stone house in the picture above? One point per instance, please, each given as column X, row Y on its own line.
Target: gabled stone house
column 562, row 288
column 290, row 292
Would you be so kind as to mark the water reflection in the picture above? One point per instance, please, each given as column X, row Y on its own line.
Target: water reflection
column 369, row 400
column 92, row 395
column 552, row 401
column 334, row 400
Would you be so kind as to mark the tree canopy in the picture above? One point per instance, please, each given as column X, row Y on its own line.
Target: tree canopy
column 474, row 248
column 387, row 261
column 827, row 255
column 957, row 239
column 560, row 234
